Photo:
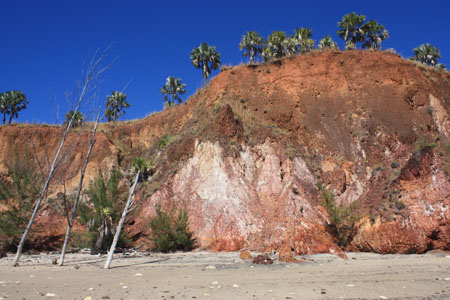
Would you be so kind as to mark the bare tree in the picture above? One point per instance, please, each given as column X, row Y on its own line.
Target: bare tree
column 126, row 209
column 84, row 92
column 77, row 197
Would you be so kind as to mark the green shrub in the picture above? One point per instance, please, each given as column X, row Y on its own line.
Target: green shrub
column 83, row 239
column 18, row 197
column 342, row 219
column 144, row 165
column 170, row 233
column 107, row 197
column 164, row 141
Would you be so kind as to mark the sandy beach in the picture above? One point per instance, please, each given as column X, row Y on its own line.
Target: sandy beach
column 206, row 275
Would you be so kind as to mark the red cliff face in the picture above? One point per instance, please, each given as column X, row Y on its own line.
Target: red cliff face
column 246, row 154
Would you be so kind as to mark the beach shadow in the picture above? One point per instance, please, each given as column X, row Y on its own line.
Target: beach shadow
column 139, row 263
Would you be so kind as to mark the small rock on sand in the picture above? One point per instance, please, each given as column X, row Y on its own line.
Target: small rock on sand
column 263, row 260
column 245, row 255
column 285, row 255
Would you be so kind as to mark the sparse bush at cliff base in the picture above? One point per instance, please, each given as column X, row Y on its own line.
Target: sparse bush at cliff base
column 170, row 233
column 17, row 197
column 342, row 220
column 102, row 214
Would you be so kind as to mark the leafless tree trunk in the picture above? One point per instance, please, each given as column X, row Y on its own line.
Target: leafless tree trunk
column 77, row 197
column 127, row 208
column 88, row 84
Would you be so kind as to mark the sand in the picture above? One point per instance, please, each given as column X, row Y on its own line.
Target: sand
column 205, row 275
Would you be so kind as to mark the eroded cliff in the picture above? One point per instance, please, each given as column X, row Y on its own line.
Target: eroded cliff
column 246, row 155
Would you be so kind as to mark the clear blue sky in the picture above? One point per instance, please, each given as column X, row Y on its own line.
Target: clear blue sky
column 44, row 42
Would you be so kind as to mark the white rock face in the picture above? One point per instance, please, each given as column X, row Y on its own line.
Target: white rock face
column 244, row 199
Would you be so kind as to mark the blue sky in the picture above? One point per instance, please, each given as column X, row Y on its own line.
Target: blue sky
column 44, row 43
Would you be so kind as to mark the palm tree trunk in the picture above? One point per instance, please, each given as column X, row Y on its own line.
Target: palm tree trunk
column 77, row 198
column 4, row 118
column 204, row 73
column 122, row 220
column 11, row 118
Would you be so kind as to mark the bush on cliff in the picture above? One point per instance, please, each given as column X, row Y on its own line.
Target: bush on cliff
column 17, row 198
column 170, row 233
column 107, row 197
column 342, row 219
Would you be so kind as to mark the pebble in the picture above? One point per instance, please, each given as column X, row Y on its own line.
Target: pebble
column 210, row 267
column 138, row 274
column 50, row 295
column 206, row 295
column 90, row 289
column 235, row 285
column 125, row 286
column 269, row 291
column 214, row 282
column 350, row 285
column 383, row 297
column 88, row 298
column 447, row 279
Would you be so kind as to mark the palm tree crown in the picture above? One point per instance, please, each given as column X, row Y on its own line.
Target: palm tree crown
column 289, row 46
column 115, row 104
column 78, row 118
column 351, row 29
column 205, row 57
column 427, row 54
column 253, row 44
column 327, row 43
column 173, row 89
column 375, row 34
column 303, row 35
column 275, row 43
column 11, row 103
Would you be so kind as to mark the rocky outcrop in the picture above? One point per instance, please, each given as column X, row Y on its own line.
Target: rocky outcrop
column 253, row 155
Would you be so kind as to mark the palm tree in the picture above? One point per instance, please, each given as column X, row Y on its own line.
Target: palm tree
column 375, row 34
column 427, row 54
column 173, row 88
column 253, row 44
column 303, row 35
column 267, row 53
column 351, row 29
column 78, row 118
column 4, row 104
column 290, row 46
column 275, row 43
column 205, row 57
column 115, row 104
column 11, row 103
column 327, row 43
